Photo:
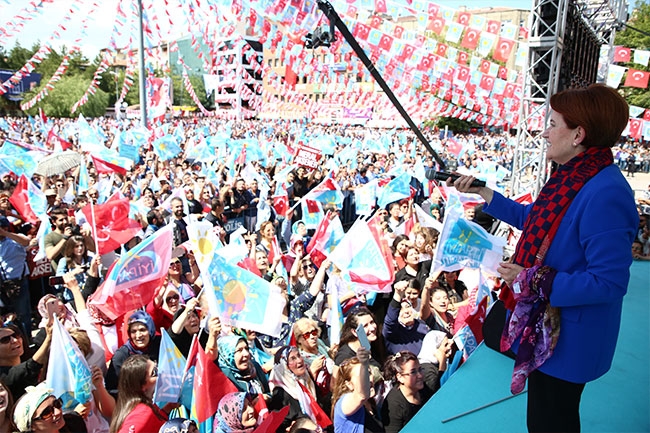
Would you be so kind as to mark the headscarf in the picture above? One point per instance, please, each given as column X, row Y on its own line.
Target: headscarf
column 177, row 425
column 294, row 226
column 69, row 321
column 226, row 359
column 281, row 376
column 144, row 318
column 229, row 413
column 26, row 405
column 430, row 344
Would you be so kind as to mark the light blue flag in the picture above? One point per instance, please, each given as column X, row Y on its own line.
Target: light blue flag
column 241, row 298
column 23, row 164
column 397, row 189
column 88, row 139
column 171, row 365
column 8, row 148
column 67, row 370
column 451, row 368
column 83, row 176
column 166, row 147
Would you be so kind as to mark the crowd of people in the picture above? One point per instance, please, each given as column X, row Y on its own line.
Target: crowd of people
column 393, row 349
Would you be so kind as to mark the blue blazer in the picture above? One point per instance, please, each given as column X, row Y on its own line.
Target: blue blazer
column 592, row 254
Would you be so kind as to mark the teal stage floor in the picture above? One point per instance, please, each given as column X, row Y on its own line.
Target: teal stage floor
column 617, row 402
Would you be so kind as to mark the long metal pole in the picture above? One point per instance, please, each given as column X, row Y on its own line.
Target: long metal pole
column 143, row 86
column 334, row 18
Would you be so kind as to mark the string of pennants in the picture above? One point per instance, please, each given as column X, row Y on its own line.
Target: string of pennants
column 634, row 77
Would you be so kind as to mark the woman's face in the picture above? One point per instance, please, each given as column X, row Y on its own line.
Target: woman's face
column 309, row 340
column 192, row 324
column 412, row 295
column 4, row 399
column 420, row 240
column 440, row 301
column 139, row 335
column 402, row 247
column 369, row 326
column 406, row 314
column 150, row 381
column 296, row 363
column 242, row 356
column 248, row 418
column 302, row 229
column 172, row 300
column 48, row 417
column 412, row 257
column 268, row 231
column 11, row 344
column 175, row 267
column 79, row 249
column 560, row 139
column 411, row 376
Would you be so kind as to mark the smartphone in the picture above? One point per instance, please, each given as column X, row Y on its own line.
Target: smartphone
column 56, row 280
column 363, row 338
column 51, row 310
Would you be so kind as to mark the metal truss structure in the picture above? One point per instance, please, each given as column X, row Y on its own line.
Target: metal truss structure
column 564, row 46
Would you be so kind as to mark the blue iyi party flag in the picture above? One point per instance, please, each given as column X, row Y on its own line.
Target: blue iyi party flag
column 166, row 147
column 171, row 365
column 395, row 190
column 67, row 370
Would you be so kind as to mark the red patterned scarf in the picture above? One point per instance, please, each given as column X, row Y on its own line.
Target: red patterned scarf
column 553, row 200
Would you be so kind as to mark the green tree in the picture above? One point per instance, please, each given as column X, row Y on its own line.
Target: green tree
column 65, row 94
column 636, row 36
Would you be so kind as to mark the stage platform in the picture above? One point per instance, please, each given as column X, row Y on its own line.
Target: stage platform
column 617, row 402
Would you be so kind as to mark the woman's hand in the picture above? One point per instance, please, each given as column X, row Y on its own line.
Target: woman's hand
column 509, row 272
column 97, row 376
column 83, row 410
column 214, row 325
column 363, row 355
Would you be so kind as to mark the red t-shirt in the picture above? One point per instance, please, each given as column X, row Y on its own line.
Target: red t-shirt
column 143, row 420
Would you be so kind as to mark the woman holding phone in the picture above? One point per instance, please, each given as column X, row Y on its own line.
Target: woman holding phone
column 75, row 258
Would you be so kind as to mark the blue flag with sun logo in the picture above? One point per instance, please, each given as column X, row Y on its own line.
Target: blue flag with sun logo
column 242, row 299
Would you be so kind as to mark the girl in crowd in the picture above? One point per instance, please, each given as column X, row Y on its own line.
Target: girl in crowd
column 434, row 355
column 349, row 342
column 63, row 313
column 435, row 310
column 403, row 330
column 183, row 283
column 292, row 386
column 135, row 411
column 408, row 394
column 6, row 407
column 75, row 257
column 165, row 304
column 267, row 235
column 142, row 341
column 236, row 362
column 354, row 409
column 236, row 414
column 414, row 267
column 425, row 239
column 401, row 245
column 38, row 411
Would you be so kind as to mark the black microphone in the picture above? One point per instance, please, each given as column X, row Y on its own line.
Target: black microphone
column 432, row 174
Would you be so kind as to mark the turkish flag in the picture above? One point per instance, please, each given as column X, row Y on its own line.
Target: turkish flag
column 386, row 42
column 20, row 199
column 646, row 114
column 503, row 73
column 398, row 31
column 470, row 39
column 290, row 77
column 436, row 25
column 503, row 49
column 281, row 204
column 636, row 125
column 485, row 66
column 102, row 166
column 636, row 78
column 463, row 18
column 210, row 385
column 433, row 9
column 493, row 27
column 361, row 31
column 312, row 206
column 375, row 21
column 622, row 54
column 380, row 6
column 509, row 90
column 441, row 50
column 53, row 139
column 463, row 58
column 110, row 224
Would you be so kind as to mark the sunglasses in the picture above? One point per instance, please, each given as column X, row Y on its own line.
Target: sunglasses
column 7, row 339
column 172, row 298
column 312, row 333
column 48, row 412
column 175, row 263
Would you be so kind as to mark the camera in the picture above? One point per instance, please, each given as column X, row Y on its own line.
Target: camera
column 56, row 280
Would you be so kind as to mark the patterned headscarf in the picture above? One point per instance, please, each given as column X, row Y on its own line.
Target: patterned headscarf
column 229, row 413
column 227, row 346
column 69, row 321
column 26, row 405
column 177, row 425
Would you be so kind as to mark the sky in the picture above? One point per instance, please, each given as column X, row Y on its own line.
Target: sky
column 99, row 26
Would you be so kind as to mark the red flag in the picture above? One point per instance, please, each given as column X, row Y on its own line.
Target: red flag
column 454, row 147
column 637, row 78
column 441, row 49
column 312, row 206
column 493, row 27
column 52, row 139
column 646, row 114
column 241, row 159
column 134, row 278
column 318, row 241
column 463, row 58
column 210, row 385
column 436, row 25
column 386, row 42
column 470, row 39
column 290, row 77
column 281, row 204
column 20, row 199
column 622, row 54
column 380, row 6
column 272, row 421
column 106, row 167
column 525, row 198
column 635, row 128
column 503, row 49
column 111, row 226
column 463, row 18
column 361, row 31
column 485, row 66
column 487, row 82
